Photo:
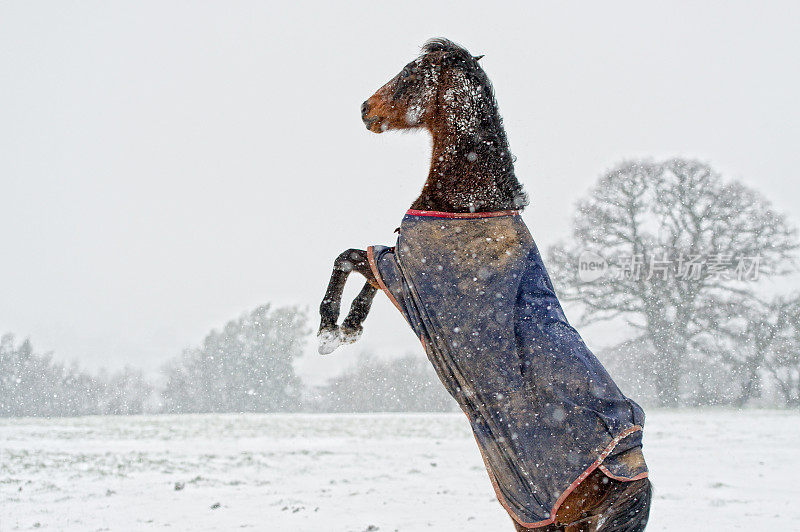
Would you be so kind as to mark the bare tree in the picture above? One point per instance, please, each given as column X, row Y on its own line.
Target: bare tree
column 783, row 358
column 683, row 251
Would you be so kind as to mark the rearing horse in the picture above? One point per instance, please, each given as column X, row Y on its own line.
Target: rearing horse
column 561, row 443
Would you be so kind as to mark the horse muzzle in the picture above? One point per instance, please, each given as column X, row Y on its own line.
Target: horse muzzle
column 369, row 121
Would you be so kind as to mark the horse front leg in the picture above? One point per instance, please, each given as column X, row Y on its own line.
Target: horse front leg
column 352, row 325
column 330, row 335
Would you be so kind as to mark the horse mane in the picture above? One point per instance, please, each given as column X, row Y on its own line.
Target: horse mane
column 488, row 142
column 441, row 44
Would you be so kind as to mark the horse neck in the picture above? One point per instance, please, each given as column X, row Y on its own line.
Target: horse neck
column 457, row 184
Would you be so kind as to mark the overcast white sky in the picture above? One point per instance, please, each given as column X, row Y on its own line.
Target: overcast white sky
column 165, row 166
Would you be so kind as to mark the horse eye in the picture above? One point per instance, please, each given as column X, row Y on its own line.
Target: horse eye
column 406, row 72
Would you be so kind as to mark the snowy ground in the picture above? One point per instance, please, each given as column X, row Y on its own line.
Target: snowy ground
column 713, row 470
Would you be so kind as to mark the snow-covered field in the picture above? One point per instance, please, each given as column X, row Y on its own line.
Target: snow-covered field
column 713, row 470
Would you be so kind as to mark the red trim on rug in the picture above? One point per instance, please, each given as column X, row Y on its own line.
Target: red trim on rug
column 374, row 267
column 577, row 481
column 609, row 474
column 460, row 215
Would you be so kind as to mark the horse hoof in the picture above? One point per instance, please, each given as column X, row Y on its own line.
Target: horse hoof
column 350, row 336
column 329, row 340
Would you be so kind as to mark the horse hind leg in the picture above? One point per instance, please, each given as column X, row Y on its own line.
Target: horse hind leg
column 630, row 509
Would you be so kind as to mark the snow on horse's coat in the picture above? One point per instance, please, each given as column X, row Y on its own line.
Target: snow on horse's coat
column 544, row 411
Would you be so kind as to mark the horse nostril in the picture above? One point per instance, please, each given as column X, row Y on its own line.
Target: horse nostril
column 364, row 109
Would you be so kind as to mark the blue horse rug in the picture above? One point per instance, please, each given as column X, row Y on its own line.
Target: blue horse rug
column 544, row 411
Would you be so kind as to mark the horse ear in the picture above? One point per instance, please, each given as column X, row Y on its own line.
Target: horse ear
column 478, row 57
